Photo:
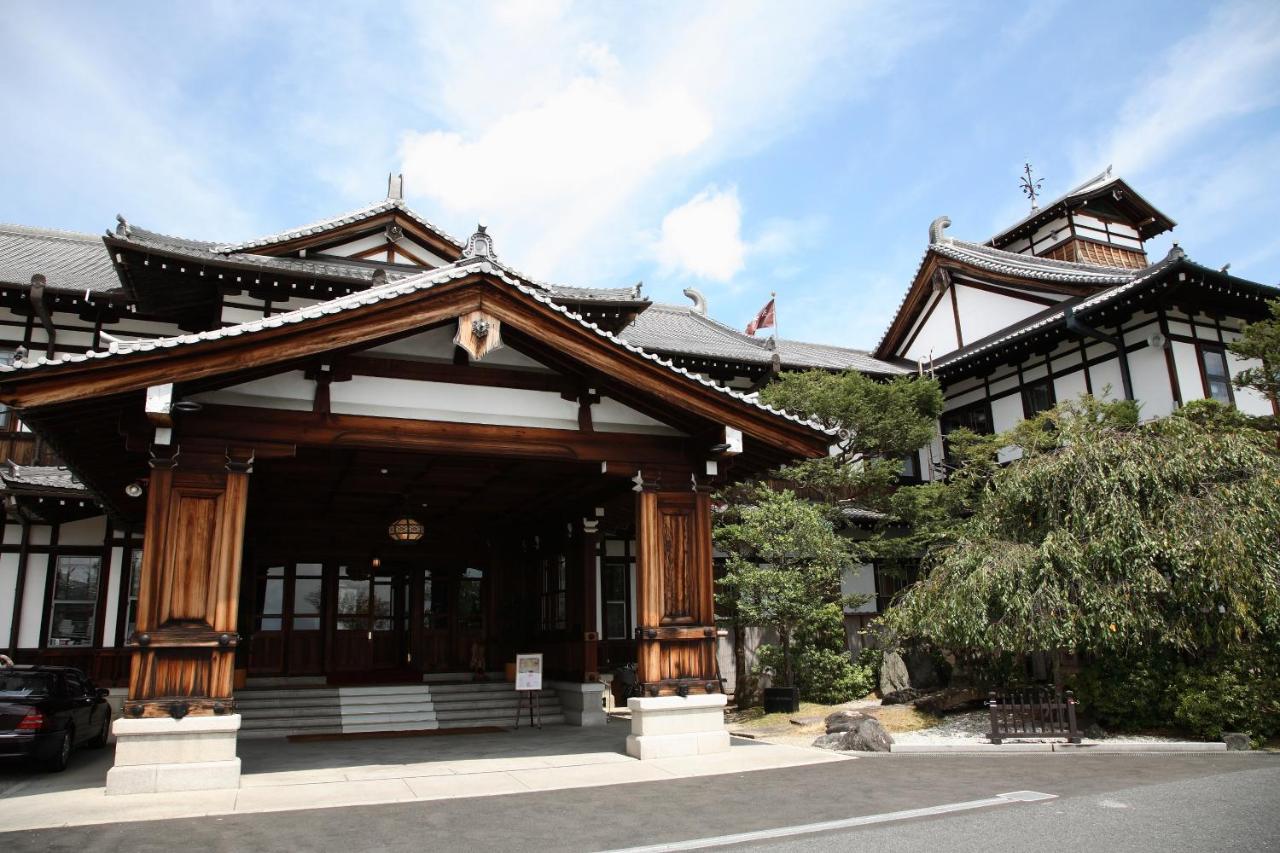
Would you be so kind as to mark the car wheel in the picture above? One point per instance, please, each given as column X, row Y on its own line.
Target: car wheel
column 59, row 761
column 100, row 739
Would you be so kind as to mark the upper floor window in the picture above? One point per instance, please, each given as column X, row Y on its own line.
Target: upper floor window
column 975, row 417
column 1216, row 374
column 1038, row 397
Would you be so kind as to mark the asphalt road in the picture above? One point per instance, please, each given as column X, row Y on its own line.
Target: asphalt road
column 1112, row 802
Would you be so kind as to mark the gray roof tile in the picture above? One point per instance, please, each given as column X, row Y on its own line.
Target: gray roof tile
column 67, row 260
column 367, row 212
column 680, row 330
column 391, row 290
column 33, row 478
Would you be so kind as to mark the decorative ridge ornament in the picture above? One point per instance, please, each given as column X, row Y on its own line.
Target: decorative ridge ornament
column 478, row 334
column 479, row 244
column 1031, row 186
column 936, row 227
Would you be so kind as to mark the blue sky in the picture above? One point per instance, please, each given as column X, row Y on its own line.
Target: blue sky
column 739, row 148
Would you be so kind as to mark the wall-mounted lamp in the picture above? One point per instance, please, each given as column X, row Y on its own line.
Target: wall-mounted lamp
column 134, row 489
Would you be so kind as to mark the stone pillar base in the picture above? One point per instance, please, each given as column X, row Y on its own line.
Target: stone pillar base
column 157, row 754
column 581, row 702
column 672, row 726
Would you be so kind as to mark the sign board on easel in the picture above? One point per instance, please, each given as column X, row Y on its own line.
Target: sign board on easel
column 529, row 686
column 529, row 672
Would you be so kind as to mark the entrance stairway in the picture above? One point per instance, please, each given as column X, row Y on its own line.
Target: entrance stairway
column 282, row 707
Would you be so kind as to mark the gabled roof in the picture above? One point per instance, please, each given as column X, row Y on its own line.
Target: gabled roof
column 1084, row 305
column 124, row 351
column 68, row 261
column 369, row 211
column 681, row 330
column 1010, row 268
column 1101, row 184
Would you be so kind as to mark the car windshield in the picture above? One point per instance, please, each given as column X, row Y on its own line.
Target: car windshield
column 20, row 685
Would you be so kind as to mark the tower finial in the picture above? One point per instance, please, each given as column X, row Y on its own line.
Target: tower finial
column 1030, row 186
column 395, row 187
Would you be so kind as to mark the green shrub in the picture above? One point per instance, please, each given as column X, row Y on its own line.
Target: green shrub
column 1237, row 692
column 825, row 676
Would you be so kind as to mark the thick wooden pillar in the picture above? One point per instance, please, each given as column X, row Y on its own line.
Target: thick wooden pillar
column 589, row 551
column 676, row 633
column 185, row 640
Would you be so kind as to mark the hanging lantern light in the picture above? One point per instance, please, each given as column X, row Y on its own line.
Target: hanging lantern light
column 406, row 528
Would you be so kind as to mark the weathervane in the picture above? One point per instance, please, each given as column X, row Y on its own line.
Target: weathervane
column 1030, row 186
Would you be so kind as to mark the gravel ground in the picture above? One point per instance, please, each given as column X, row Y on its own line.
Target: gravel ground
column 974, row 725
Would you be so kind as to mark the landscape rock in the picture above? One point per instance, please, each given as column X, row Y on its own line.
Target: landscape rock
column 806, row 721
column 951, row 699
column 866, row 736
column 843, row 721
column 1234, row 741
column 903, row 697
column 893, row 674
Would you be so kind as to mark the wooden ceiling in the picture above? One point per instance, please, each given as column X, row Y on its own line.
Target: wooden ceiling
column 344, row 499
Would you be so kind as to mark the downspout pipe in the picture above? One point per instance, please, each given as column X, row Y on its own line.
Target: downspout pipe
column 1079, row 327
column 36, row 295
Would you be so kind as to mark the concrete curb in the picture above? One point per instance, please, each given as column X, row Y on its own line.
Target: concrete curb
column 1076, row 748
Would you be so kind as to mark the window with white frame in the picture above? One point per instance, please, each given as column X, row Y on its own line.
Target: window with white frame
column 74, row 602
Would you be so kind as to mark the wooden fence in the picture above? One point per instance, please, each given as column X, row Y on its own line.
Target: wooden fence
column 1033, row 713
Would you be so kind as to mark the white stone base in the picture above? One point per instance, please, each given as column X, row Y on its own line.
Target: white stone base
column 672, row 726
column 581, row 702
column 163, row 754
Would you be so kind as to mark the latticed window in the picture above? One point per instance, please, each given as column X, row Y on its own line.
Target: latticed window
column 615, row 588
column 555, row 576
column 73, row 607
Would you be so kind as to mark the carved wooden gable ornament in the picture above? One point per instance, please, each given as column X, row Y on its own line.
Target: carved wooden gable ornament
column 479, row 333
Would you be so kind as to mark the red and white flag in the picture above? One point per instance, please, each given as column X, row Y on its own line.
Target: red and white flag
column 763, row 320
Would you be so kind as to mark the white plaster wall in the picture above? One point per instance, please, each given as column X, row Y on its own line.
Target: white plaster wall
column 859, row 580
column 1107, row 374
column 983, row 313
column 1006, row 412
column 1069, row 386
column 33, row 600
column 937, row 336
column 1187, row 364
column 87, row 532
column 1149, row 371
column 112, row 577
column 437, row 345
column 435, row 401
column 8, row 587
column 1247, row 400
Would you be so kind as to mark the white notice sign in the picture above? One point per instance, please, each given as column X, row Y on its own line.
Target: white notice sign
column 529, row 672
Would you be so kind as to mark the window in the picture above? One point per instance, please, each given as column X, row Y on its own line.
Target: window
column 1038, row 397
column 135, row 579
column 75, row 601
column 6, row 418
column 353, row 602
column 615, row 588
column 435, row 601
column 975, row 417
column 271, row 599
column 555, row 575
column 892, row 577
column 1216, row 374
column 308, row 583
column 910, row 471
column 470, row 604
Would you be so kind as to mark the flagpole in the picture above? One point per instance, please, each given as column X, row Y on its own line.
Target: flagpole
column 773, row 297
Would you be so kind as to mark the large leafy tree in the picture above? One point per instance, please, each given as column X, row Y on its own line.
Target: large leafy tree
column 1108, row 537
column 877, row 424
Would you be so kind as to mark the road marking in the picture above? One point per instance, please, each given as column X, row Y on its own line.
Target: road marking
column 847, row 823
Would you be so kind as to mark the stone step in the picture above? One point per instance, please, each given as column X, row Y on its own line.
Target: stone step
column 288, row 713
column 457, row 708
column 290, row 722
column 500, row 722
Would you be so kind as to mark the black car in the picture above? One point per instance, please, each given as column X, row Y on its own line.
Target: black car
column 47, row 711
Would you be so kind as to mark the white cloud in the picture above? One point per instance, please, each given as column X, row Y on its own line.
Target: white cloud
column 703, row 236
column 571, row 130
column 1229, row 69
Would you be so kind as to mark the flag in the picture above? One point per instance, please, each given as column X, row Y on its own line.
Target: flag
column 763, row 320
